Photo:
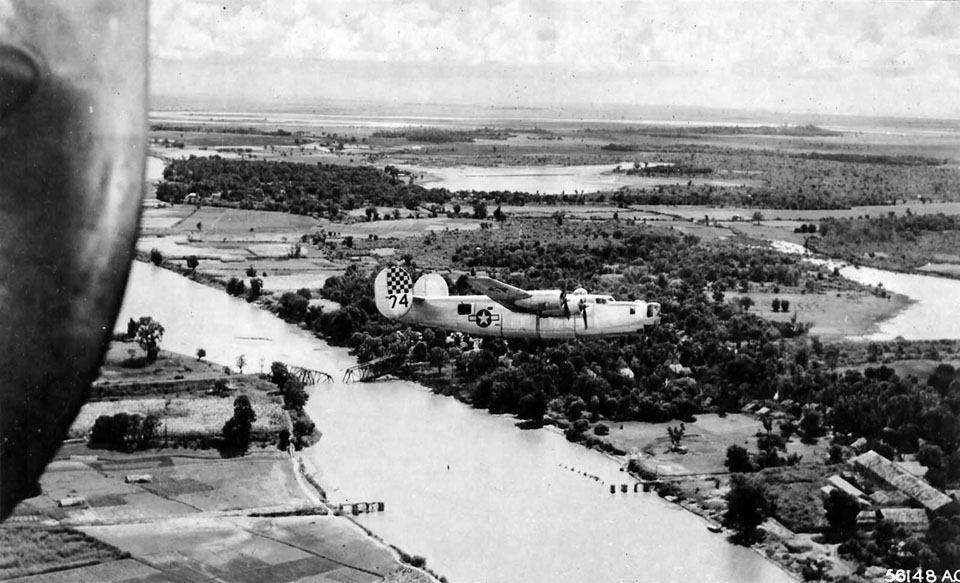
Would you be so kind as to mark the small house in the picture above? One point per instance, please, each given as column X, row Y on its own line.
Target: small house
column 911, row 519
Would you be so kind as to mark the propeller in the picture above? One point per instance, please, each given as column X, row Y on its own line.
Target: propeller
column 563, row 300
column 582, row 306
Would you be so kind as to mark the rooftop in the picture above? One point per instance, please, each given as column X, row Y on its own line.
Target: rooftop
column 902, row 480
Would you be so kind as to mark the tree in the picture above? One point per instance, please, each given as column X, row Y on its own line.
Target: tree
column 757, row 217
column 842, row 510
column 676, row 435
column 292, row 306
column 148, row 430
column 132, row 326
column 747, row 506
column 220, row 387
column 251, row 271
column 279, row 373
column 125, row 431
column 201, row 352
column 745, row 302
column 302, row 428
column 156, row 257
column 718, row 294
column 241, row 362
column 438, row 357
column 930, row 456
column 738, row 460
column 499, row 215
column 236, row 431
column 294, row 394
column 810, row 427
column 419, row 352
column 256, row 288
column 480, row 210
column 236, row 287
column 776, row 304
column 532, row 406
column 149, row 335
column 835, row 455
column 787, row 429
column 193, row 262
column 785, row 305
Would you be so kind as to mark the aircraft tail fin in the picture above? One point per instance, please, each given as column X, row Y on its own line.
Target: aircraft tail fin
column 431, row 285
column 393, row 291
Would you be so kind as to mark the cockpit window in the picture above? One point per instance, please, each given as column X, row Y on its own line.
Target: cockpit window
column 464, row 309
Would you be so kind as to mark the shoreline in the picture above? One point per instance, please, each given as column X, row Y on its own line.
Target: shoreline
column 900, row 301
column 304, row 468
column 691, row 505
column 688, row 506
column 206, row 507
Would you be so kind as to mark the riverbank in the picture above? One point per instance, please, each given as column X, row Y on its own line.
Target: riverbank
column 695, row 478
column 498, row 234
column 183, row 513
column 389, row 440
column 360, row 253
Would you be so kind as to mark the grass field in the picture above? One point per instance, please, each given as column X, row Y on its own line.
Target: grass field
column 259, row 481
column 184, row 416
column 833, row 314
column 27, row 550
column 316, row 548
column 705, row 440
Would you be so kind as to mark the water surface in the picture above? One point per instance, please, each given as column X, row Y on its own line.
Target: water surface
column 482, row 500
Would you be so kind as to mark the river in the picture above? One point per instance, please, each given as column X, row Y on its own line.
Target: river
column 550, row 179
column 482, row 500
column 933, row 315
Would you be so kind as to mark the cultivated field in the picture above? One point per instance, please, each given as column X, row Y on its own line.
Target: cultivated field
column 30, row 549
column 184, row 416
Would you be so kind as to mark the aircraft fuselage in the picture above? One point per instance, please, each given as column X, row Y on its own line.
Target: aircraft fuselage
column 478, row 315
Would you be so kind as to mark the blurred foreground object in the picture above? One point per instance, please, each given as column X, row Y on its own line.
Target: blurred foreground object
column 73, row 95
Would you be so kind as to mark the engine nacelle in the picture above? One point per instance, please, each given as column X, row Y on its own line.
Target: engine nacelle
column 541, row 301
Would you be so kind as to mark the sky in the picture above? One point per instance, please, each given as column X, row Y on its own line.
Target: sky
column 848, row 57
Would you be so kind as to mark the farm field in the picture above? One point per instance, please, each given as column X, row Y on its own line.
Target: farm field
column 184, row 416
column 242, row 549
column 189, row 520
column 724, row 204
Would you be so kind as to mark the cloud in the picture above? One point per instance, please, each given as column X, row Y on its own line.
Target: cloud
column 770, row 46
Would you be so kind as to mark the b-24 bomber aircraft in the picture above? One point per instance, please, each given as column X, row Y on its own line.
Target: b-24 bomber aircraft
column 507, row 311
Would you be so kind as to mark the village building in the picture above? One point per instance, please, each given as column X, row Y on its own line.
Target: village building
column 911, row 519
column 889, row 498
column 838, row 483
column 891, row 476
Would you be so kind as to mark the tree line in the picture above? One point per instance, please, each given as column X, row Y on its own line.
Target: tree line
column 316, row 189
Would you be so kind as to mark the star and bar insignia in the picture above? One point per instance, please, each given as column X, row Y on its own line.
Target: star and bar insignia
column 484, row 318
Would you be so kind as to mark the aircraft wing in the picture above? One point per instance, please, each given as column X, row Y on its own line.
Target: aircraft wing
column 498, row 291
